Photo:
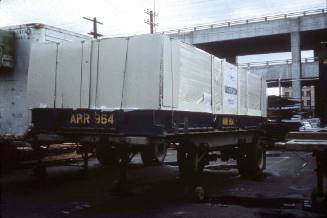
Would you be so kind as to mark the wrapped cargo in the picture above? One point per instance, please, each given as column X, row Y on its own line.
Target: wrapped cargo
column 143, row 73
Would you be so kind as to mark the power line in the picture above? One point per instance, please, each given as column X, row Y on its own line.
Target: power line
column 95, row 33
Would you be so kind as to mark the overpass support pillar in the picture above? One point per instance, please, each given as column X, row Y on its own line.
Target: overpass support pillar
column 296, row 64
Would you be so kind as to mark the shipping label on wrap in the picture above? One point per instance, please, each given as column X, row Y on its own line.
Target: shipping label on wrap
column 230, row 88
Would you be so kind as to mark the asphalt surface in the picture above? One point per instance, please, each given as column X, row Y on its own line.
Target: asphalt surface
column 158, row 192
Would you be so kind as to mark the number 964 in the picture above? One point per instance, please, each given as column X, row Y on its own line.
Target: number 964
column 104, row 119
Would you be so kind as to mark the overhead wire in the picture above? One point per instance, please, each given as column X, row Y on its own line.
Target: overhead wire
column 173, row 14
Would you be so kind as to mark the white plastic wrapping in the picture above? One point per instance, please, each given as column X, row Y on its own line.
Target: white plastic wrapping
column 149, row 72
column 230, row 89
column 217, row 85
column 242, row 91
column 263, row 98
column 110, row 72
column 143, row 72
column 254, row 93
column 193, row 74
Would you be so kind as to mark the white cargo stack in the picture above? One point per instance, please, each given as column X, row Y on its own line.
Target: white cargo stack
column 230, row 92
column 146, row 72
column 192, row 78
column 108, row 68
column 142, row 79
column 242, row 91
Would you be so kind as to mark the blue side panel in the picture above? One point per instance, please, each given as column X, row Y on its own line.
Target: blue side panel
column 136, row 122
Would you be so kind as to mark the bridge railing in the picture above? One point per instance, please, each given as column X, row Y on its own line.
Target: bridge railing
column 276, row 62
column 246, row 21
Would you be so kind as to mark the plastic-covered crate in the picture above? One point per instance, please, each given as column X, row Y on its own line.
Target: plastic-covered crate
column 146, row 72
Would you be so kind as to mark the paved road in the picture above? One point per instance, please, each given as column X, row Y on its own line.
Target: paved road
column 158, row 192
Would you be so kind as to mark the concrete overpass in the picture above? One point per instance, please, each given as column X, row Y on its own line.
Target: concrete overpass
column 282, row 69
column 291, row 32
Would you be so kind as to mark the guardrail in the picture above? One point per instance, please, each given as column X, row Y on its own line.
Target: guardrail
column 246, row 21
column 276, row 62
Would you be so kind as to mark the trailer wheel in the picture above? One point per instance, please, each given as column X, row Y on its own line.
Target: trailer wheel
column 154, row 154
column 251, row 160
column 108, row 155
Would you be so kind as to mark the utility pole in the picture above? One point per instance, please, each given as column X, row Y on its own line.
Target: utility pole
column 151, row 21
column 95, row 33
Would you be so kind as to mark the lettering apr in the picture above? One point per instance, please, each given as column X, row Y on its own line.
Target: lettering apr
column 80, row 118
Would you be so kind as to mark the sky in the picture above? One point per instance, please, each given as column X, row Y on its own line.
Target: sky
column 126, row 17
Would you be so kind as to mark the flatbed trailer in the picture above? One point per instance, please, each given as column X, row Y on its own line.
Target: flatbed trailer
column 225, row 137
column 121, row 96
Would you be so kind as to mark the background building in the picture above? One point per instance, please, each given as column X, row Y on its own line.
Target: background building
column 307, row 97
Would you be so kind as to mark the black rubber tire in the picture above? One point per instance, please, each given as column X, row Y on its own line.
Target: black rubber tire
column 108, row 155
column 154, row 154
column 251, row 160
